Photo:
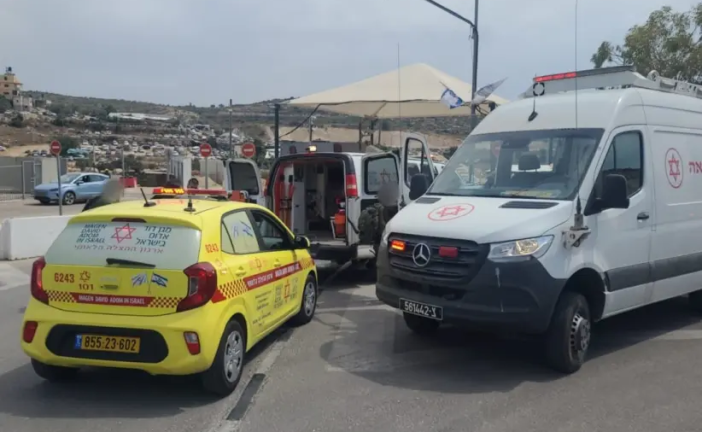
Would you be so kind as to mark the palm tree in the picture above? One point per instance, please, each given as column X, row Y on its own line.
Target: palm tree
column 604, row 54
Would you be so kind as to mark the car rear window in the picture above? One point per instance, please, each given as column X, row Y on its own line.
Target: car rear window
column 91, row 244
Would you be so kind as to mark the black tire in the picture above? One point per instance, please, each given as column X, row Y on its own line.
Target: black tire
column 695, row 300
column 53, row 373
column 568, row 337
column 420, row 325
column 69, row 198
column 308, row 302
column 222, row 377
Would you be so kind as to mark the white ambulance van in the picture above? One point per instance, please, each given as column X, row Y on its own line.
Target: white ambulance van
column 308, row 189
column 614, row 223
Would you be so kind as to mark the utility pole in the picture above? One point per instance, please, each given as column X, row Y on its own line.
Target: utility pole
column 276, row 132
column 474, row 84
column 231, row 126
column 474, row 25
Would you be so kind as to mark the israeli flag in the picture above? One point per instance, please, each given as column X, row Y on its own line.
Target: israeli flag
column 451, row 99
column 484, row 92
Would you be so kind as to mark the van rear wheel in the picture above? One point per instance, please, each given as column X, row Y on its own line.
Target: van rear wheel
column 568, row 337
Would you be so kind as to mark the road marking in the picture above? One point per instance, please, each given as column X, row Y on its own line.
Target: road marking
column 264, row 367
column 11, row 278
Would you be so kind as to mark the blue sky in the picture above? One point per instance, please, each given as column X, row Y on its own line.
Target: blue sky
column 207, row 51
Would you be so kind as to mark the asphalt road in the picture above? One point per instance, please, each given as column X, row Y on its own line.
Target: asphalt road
column 357, row 368
column 100, row 400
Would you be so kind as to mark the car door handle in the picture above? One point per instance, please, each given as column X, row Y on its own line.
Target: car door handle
column 276, row 263
column 240, row 272
column 643, row 216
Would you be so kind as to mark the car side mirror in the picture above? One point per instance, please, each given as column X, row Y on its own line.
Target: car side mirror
column 302, row 242
column 419, row 184
column 614, row 193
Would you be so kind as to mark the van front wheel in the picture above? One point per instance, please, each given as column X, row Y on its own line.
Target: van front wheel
column 568, row 337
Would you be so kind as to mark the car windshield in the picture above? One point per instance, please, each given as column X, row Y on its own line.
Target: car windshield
column 67, row 178
column 546, row 164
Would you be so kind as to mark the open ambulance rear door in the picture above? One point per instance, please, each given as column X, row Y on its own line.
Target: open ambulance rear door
column 244, row 175
column 414, row 146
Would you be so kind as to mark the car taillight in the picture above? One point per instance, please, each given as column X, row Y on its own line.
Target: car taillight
column 37, row 285
column 192, row 341
column 29, row 330
column 351, row 186
column 202, row 284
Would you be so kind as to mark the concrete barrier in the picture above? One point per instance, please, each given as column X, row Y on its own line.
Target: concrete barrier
column 29, row 237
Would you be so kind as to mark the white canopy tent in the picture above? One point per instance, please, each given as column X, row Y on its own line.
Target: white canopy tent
column 411, row 91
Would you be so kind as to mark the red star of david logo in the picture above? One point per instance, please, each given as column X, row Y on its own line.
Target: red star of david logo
column 123, row 233
column 451, row 212
column 674, row 168
column 85, row 276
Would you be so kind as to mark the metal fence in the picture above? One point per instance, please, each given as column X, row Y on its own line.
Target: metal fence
column 18, row 176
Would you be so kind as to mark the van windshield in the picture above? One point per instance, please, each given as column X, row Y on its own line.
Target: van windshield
column 544, row 164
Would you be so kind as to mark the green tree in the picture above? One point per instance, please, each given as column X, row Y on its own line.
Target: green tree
column 668, row 42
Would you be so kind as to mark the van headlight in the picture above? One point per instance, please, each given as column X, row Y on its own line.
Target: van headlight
column 514, row 250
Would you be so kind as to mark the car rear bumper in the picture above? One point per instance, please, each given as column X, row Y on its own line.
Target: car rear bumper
column 163, row 351
column 520, row 297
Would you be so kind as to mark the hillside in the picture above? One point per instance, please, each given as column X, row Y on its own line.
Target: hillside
column 260, row 113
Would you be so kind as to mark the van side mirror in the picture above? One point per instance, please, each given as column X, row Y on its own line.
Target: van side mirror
column 419, row 184
column 614, row 194
column 302, row 242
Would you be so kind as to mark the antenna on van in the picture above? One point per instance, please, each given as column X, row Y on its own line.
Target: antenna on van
column 578, row 231
column 535, row 89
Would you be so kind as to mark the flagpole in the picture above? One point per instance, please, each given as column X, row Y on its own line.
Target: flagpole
column 474, row 25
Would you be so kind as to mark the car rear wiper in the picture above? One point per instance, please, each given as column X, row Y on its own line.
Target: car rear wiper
column 113, row 261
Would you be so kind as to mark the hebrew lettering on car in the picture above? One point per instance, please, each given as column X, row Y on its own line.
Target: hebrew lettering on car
column 162, row 245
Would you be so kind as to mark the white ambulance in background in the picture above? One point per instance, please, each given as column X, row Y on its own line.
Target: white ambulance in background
column 613, row 224
column 307, row 190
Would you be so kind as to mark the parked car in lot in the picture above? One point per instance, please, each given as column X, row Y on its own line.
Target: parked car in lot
column 75, row 187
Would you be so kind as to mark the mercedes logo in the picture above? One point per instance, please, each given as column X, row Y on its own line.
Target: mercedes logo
column 421, row 255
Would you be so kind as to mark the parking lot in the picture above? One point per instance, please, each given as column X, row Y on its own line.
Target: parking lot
column 356, row 367
column 31, row 208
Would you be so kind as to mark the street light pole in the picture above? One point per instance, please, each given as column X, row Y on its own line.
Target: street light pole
column 474, row 26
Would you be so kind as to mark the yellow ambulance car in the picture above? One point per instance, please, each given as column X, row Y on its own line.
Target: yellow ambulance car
column 170, row 286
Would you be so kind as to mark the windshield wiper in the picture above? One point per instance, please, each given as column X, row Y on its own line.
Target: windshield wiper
column 443, row 194
column 119, row 261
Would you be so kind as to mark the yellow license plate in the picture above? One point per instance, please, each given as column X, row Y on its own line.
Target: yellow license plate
column 108, row 343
